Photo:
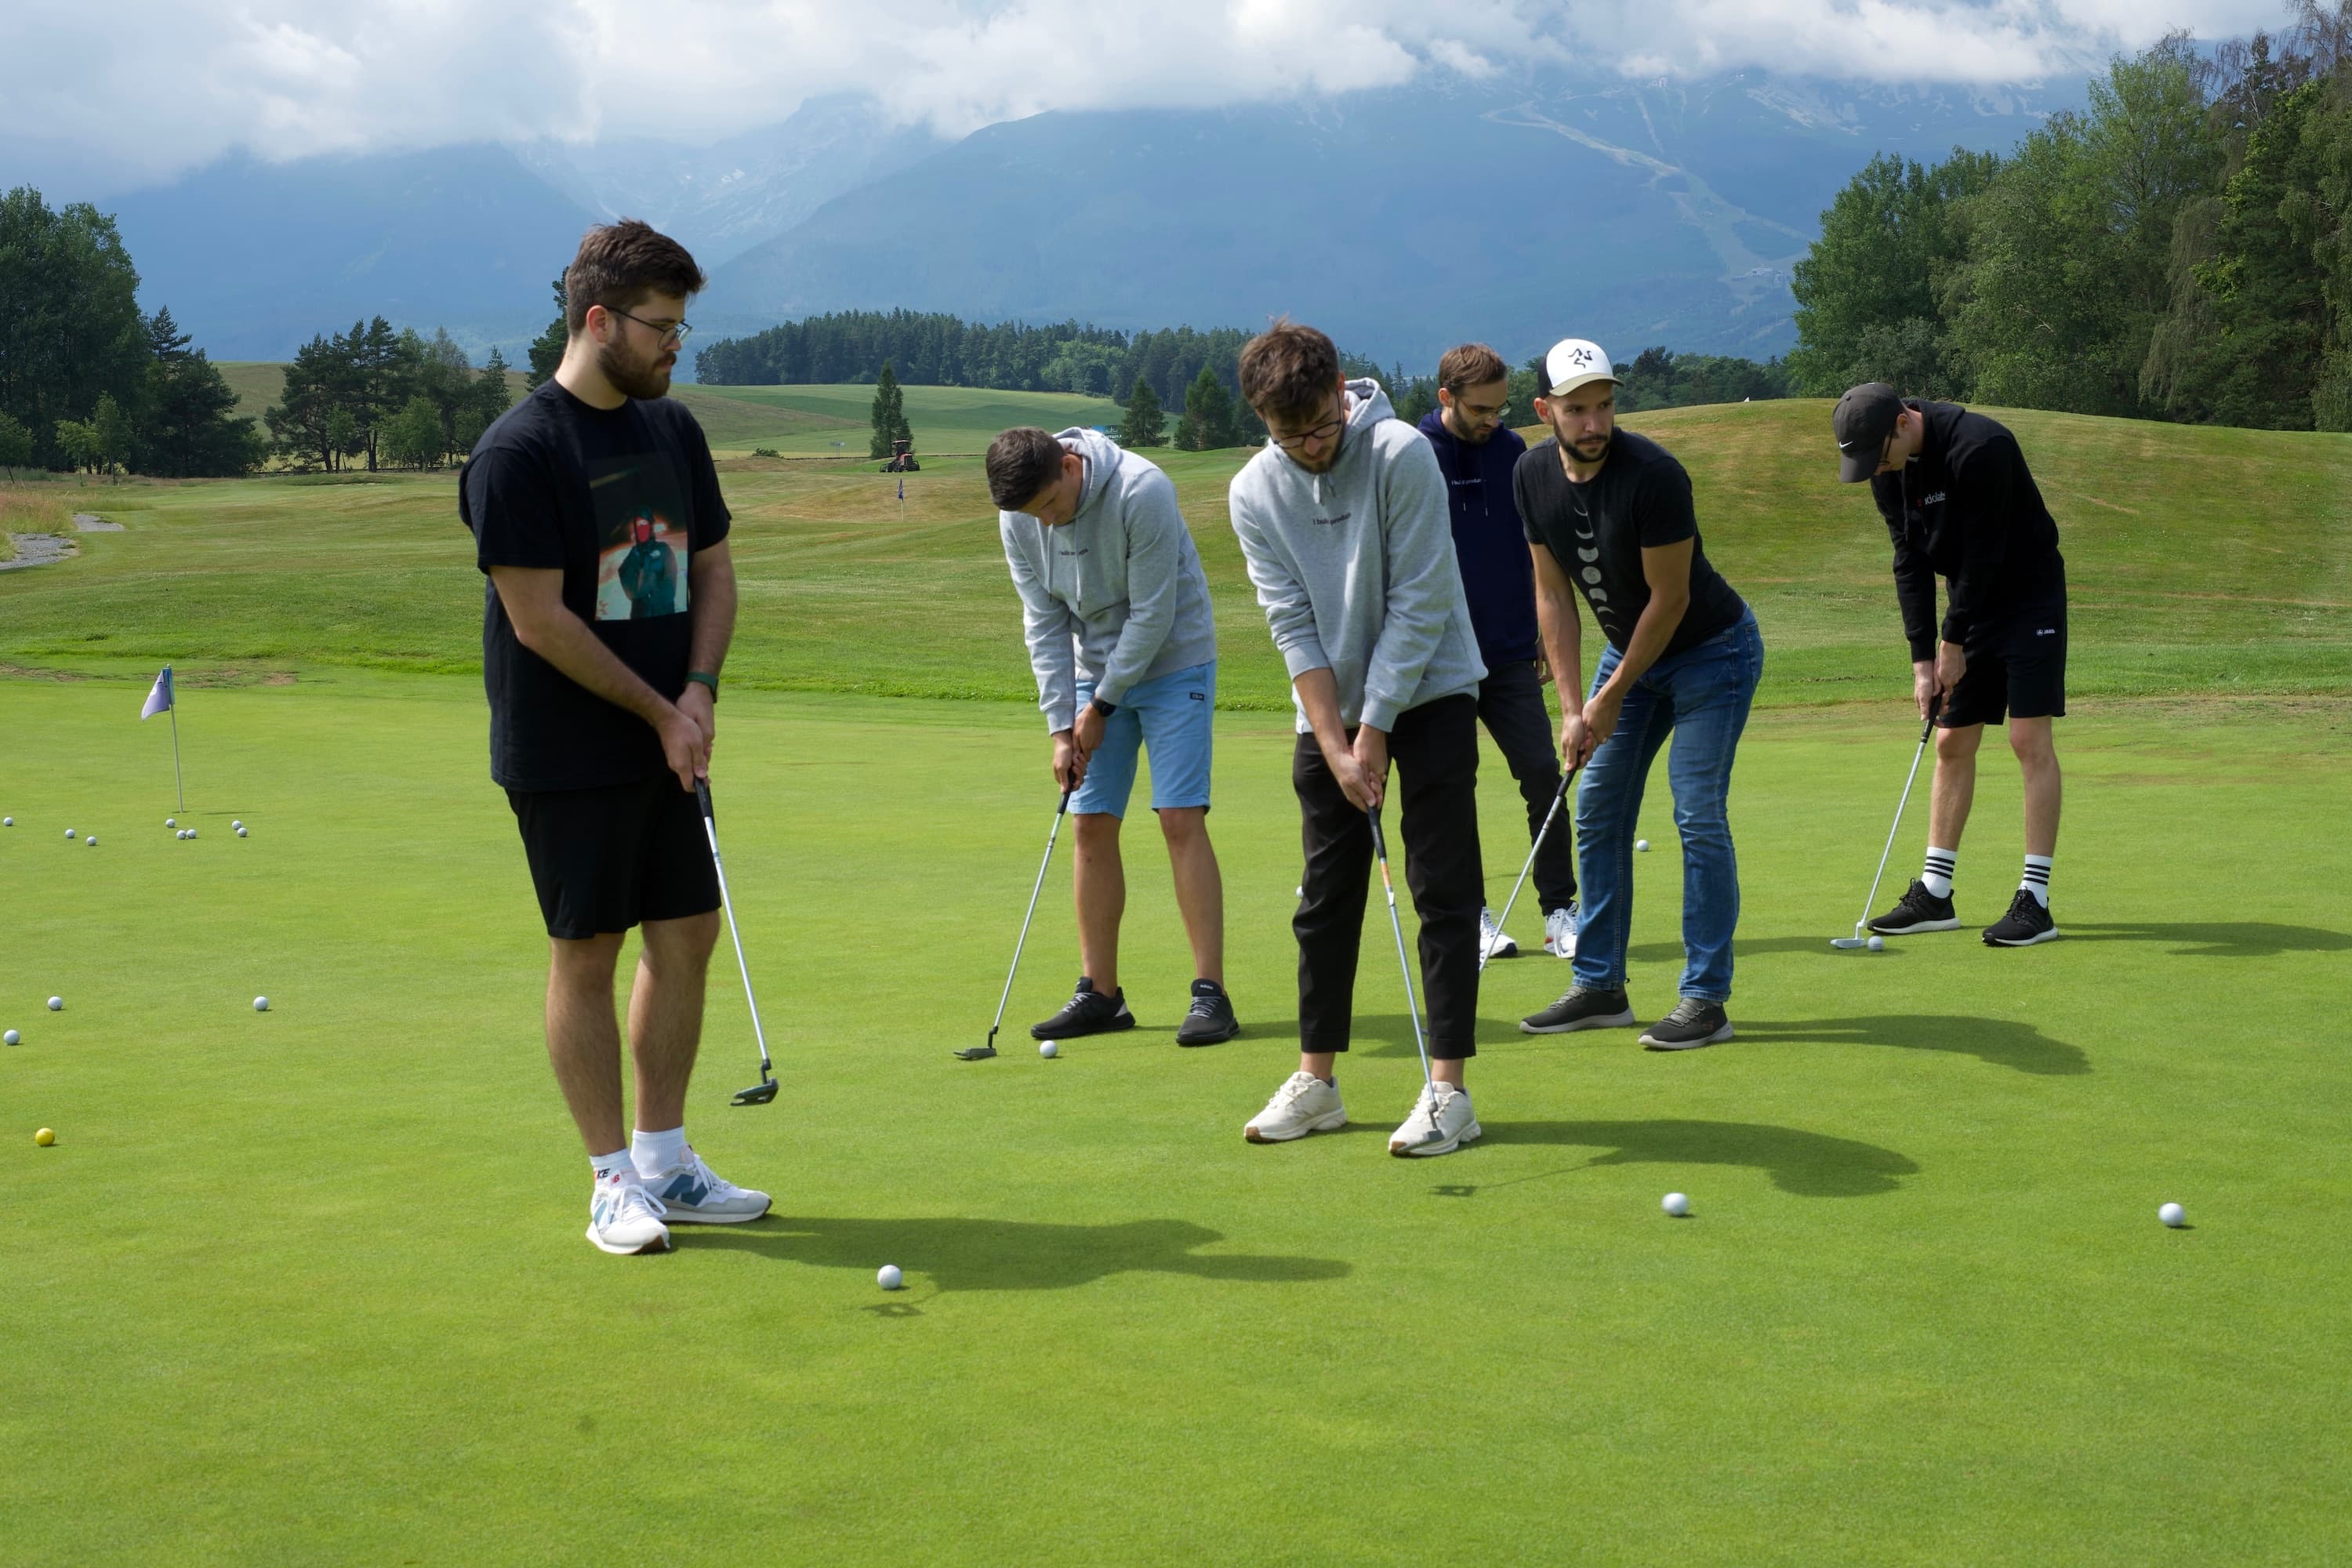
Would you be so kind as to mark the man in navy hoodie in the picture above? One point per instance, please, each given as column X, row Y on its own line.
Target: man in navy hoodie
column 1477, row 452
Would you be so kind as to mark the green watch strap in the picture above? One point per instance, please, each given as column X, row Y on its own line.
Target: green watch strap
column 705, row 677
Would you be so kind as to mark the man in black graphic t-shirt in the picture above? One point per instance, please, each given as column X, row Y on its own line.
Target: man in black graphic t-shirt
column 602, row 666
column 1609, row 516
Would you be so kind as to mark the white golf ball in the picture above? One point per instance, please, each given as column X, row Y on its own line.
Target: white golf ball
column 888, row 1276
column 239, row 827
column 2173, row 1215
column 182, row 834
column 261, row 1004
column 1048, row 1048
column 57, row 1004
column 8, row 822
column 1641, row 844
column 91, row 841
column 69, row 833
column 171, row 821
column 1676, row 1204
column 192, row 833
column 1878, row 944
column 10, row 1038
column 240, row 832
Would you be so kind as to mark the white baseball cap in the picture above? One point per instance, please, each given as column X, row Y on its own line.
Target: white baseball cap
column 1574, row 363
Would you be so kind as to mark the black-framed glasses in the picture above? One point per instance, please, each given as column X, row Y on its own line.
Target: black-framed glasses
column 677, row 332
column 1322, row 432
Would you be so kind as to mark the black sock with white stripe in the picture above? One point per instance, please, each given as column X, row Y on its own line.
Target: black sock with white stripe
column 2037, row 878
column 1937, row 878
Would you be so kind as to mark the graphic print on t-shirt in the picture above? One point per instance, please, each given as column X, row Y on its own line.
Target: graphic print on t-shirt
column 642, row 538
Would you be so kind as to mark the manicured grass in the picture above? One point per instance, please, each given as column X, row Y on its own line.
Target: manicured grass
column 309, row 1287
column 945, row 419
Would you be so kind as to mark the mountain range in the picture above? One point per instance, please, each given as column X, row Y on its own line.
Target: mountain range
column 1516, row 209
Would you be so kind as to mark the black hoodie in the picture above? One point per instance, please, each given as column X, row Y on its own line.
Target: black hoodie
column 1967, row 510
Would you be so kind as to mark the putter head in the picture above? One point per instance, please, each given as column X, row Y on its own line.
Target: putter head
column 975, row 1053
column 759, row 1093
column 1848, row 941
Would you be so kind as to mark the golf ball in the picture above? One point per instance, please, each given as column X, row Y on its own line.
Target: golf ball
column 10, row 1038
column 1676, row 1204
column 57, row 1004
column 1048, row 1048
column 2173, row 1215
column 69, row 833
column 239, row 827
column 1878, row 944
column 261, row 1004
column 8, row 822
column 45, row 1137
column 888, row 1276
column 91, row 841
column 171, row 821
column 240, row 832
column 192, row 833
column 182, row 834
column 1643, row 845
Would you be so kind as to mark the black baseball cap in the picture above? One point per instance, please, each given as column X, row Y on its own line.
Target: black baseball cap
column 1865, row 420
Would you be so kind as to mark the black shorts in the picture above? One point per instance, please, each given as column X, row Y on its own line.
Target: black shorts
column 606, row 859
column 2017, row 668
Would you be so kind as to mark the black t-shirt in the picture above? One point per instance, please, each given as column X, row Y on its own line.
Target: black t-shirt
column 619, row 500
column 1640, row 500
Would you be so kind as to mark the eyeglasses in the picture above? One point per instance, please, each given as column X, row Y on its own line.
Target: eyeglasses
column 677, row 332
column 1322, row 432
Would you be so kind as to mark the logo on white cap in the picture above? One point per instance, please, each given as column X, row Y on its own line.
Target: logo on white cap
column 1573, row 363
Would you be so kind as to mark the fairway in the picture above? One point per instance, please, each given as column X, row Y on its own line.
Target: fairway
column 308, row 1285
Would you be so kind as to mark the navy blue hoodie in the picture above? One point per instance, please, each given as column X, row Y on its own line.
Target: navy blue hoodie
column 1498, row 576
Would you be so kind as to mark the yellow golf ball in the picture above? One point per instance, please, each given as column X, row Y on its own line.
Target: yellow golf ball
column 45, row 1137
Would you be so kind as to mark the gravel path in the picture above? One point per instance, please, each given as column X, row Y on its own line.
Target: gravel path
column 39, row 550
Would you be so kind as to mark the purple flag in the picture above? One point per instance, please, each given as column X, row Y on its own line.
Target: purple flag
column 159, row 699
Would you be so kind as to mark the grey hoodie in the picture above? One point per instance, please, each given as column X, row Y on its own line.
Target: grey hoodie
column 1121, row 576
column 1356, row 567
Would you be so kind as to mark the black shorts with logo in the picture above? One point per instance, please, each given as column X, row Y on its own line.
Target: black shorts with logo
column 606, row 859
column 2017, row 668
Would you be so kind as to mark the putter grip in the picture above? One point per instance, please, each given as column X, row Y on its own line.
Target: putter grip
column 702, row 799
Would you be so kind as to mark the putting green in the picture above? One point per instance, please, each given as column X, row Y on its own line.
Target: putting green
column 309, row 1286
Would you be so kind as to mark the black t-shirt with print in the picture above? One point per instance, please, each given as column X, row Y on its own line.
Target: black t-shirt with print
column 1640, row 500
column 618, row 500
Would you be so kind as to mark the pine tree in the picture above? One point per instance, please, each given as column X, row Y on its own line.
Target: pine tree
column 1145, row 421
column 1208, row 414
column 547, row 350
column 890, row 414
column 16, row 445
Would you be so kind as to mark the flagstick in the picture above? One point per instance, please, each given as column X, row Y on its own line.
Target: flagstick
column 176, row 783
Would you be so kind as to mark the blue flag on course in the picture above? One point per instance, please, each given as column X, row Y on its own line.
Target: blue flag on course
column 902, row 487
column 159, row 699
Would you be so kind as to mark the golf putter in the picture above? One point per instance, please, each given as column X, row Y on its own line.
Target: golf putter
column 1534, row 849
column 1428, row 1078
column 761, row 1092
column 1858, row 939
column 987, row 1049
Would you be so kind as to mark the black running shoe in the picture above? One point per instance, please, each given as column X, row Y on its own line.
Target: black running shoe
column 1582, row 1009
column 1090, row 1013
column 1210, row 1018
column 1918, row 910
column 2026, row 923
column 1691, row 1025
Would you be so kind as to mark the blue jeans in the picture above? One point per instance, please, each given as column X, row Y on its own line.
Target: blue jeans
column 1702, row 696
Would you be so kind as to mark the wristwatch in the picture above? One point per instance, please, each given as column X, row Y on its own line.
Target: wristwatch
column 704, row 678
column 1101, row 706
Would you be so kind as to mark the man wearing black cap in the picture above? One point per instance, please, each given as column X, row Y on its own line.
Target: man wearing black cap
column 1960, row 503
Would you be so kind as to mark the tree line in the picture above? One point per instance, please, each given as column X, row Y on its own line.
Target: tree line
column 86, row 380
column 384, row 398
column 2178, row 250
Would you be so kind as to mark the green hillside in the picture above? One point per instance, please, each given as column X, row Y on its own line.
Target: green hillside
column 2204, row 561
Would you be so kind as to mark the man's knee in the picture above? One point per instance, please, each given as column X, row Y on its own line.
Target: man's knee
column 687, row 942
column 2033, row 742
column 1958, row 745
column 1096, row 830
column 1184, row 823
column 583, row 960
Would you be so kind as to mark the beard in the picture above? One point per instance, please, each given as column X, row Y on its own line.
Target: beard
column 634, row 378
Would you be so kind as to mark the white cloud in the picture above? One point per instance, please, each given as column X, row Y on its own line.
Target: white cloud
column 140, row 89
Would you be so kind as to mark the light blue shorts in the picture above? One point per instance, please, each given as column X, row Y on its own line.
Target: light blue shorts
column 1173, row 715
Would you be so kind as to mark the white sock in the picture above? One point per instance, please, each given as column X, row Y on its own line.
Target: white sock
column 612, row 1164
column 657, row 1151
column 2037, row 878
column 1937, row 878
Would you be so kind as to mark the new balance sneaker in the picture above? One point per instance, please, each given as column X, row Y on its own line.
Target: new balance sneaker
column 1493, row 942
column 2026, row 923
column 691, row 1193
column 1691, row 1025
column 1210, row 1018
column 1582, row 1009
column 1304, row 1104
column 625, row 1218
column 1559, row 931
column 1089, row 1012
column 1917, row 909
column 1440, row 1123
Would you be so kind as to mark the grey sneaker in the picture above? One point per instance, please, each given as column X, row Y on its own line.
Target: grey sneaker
column 1691, row 1025
column 1210, row 1019
column 1559, row 931
column 624, row 1219
column 691, row 1193
column 1304, row 1104
column 1582, row 1009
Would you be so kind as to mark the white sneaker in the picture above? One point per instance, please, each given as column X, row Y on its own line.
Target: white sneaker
column 625, row 1218
column 1492, row 941
column 1440, row 1123
column 1304, row 1104
column 693, row 1194
column 1559, row 931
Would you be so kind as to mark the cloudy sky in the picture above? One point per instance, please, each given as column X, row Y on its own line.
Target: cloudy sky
column 128, row 91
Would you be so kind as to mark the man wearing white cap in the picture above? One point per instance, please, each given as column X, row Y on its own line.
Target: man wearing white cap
column 1609, row 516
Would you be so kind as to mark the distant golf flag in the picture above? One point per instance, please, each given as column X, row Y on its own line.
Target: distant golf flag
column 159, row 700
column 902, row 498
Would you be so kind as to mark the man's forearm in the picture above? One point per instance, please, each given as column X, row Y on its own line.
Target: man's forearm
column 1563, row 643
column 1318, row 694
column 565, row 641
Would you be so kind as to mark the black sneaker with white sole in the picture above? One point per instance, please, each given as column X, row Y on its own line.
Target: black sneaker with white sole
column 1210, row 1018
column 1089, row 1012
column 2026, row 923
column 1582, row 1009
column 1917, row 909
column 1691, row 1025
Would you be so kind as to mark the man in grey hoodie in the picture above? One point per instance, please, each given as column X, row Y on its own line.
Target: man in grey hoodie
column 1116, row 610
column 1343, row 520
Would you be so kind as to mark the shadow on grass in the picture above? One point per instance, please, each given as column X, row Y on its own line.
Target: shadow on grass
column 1998, row 1041
column 1810, row 1164
column 2216, row 939
column 1742, row 947
column 1013, row 1255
